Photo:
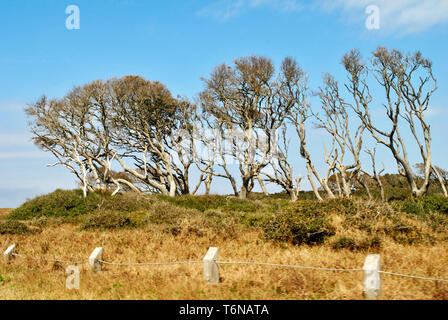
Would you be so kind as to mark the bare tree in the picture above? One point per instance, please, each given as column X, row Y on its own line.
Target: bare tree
column 75, row 129
column 121, row 120
column 376, row 174
column 437, row 173
column 298, row 115
column 408, row 83
column 147, row 122
column 249, row 101
column 282, row 171
column 217, row 144
column 336, row 122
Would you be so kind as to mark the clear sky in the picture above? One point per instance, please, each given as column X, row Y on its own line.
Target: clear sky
column 177, row 43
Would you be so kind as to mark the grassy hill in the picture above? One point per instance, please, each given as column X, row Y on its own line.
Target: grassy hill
column 411, row 235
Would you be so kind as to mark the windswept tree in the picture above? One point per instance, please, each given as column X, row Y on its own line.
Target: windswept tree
column 376, row 175
column 335, row 120
column 280, row 171
column 129, row 133
column 438, row 175
column 149, row 126
column 249, row 102
column 76, row 130
column 408, row 84
column 216, row 153
column 299, row 115
column 130, row 121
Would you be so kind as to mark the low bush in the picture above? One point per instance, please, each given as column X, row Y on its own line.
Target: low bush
column 167, row 213
column 108, row 220
column 397, row 194
column 127, row 202
column 425, row 205
column 310, row 222
column 304, row 223
column 71, row 204
column 222, row 222
column 204, row 203
column 370, row 216
column 60, row 203
column 373, row 243
column 14, row 227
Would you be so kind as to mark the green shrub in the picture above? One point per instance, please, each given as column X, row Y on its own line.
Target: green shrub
column 4, row 280
column 345, row 206
column 412, row 207
column 437, row 221
column 60, row 203
column 345, row 243
column 201, row 203
column 371, row 217
column 240, row 205
column 405, row 233
column 167, row 213
column 43, row 222
column 14, row 227
column 127, row 202
column 397, row 194
column 256, row 219
column 373, row 243
column 425, row 205
column 72, row 204
column 108, row 220
column 435, row 203
column 301, row 225
column 204, row 203
column 222, row 222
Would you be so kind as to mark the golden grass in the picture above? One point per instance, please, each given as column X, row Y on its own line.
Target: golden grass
column 28, row 279
column 5, row 212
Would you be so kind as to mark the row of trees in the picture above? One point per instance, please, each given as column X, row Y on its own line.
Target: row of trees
column 242, row 117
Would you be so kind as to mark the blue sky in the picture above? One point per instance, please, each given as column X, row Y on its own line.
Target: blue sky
column 177, row 43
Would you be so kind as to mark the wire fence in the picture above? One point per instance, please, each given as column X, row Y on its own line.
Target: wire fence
column 289, row 266
column 149, row 263
column 48, row 260
column 218, row 262
column 372, row 282
column 410, row 276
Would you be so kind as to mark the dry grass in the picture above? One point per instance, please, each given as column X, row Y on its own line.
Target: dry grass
column 5, row 212
column 27, row 279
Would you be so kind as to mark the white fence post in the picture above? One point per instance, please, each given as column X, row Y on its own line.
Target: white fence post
column 211, row 269
column 372, row 278
column 9, row 253
column 95, row 259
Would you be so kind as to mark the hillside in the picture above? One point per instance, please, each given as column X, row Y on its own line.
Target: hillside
column 410, row 235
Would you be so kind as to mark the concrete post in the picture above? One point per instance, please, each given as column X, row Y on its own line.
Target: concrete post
column 372, row 279
column 211, row 269
column 95, row 259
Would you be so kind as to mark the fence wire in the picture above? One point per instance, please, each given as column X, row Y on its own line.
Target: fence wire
column 226, row 263
column 410, row 276
column 287, row 266
column 48, row 260
column 148, row 263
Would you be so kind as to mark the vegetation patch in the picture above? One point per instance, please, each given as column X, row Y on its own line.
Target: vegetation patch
column 349, row 243
column 108, row 220
column 204, row 203
column 308, row 222
column 303, row 224
column 425, row 205
column 14, row 227
column 60, row 203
